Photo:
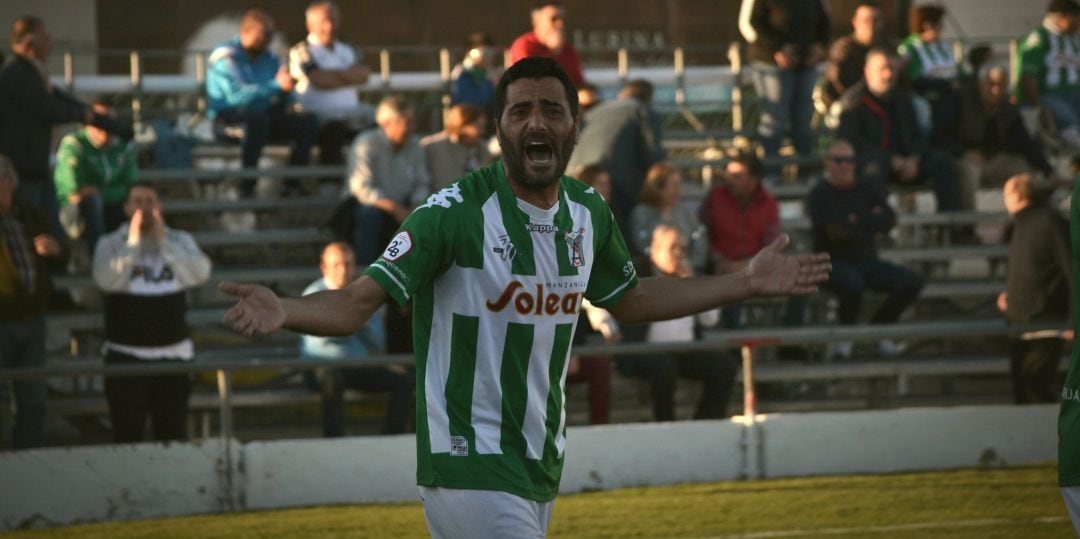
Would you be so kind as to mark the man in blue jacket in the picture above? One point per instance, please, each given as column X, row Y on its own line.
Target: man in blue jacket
column 247, row 85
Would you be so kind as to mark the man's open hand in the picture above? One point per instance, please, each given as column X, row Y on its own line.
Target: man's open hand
column 772, row 273
column 259, row 311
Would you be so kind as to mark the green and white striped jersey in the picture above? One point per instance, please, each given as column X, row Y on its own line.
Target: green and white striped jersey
column 1053, row 58
column 929, row 60
column 496, row 285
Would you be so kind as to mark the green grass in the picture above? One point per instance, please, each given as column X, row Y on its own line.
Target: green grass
column 1010, row 502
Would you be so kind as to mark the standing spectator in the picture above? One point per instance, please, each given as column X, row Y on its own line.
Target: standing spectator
column 667, row 253
column 930, row 63
column 847, row 55
column 661, row 203
column 1038, row 289
column 787, row 41
column 93, row 172
column 472, row 81
column 28, row 252
column 29, row 108
column 548, row 38
column 740, row 215
column 1050, row 68
column 248, row 86
column 387, row 173
column 624, row 137
column 988, row 135
column 144, row 269
column 327, row 72
column 848, row 216
column 879, row 121
column 338, row 266
column 588, row 96
column 459, row 149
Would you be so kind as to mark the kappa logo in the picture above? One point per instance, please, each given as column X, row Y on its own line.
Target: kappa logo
column 444, row 197
column 577, row 252
column 505, row 249
column 541, row 228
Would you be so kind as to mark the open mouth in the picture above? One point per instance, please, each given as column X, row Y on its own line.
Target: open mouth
column 539, row 152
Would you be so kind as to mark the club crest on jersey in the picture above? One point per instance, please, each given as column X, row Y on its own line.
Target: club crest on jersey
column 505, row 249
column 398, row 247
column 577, row 252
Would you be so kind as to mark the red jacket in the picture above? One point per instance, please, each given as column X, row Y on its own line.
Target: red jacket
column 528, row 45
column 736, row 232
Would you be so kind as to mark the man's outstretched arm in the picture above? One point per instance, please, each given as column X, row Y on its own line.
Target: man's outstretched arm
column 769, row 273
column 329, row 313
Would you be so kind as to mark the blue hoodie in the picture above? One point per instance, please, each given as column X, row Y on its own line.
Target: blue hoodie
column 236, row 81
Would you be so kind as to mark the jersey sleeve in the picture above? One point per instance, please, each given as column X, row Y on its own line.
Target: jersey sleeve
column 613, row 271
column 416, row 254
column 1032, row 53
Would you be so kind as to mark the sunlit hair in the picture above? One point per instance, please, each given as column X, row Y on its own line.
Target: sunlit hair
column 652, row 191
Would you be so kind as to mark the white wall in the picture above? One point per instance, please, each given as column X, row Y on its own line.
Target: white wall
column 71, row 23
column 61, row 486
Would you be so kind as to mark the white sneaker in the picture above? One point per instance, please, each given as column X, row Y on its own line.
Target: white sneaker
column 841, row 350
column 891, row 348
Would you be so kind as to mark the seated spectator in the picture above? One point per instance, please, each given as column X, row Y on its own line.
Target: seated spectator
column 715, row 370
column 879, row 120
column 338, row 266
column 144, row 268
column 459, row 149
column 848, row 216
column 387, row 173
column 548, row 38
column 847, row 55
column 930, row 64
column 246, row 85
column 94, row 170
column 740, row 215
column 588, row 96
column 988, row 135
column 1039, row 289
column 473, row 80
column 327, row 73
column 624, row 137
column 661, row 203
column 28, row 254
column 1050, row 69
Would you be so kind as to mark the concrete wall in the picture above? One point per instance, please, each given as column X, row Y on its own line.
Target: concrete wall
column 71, row 23
column 61, row 486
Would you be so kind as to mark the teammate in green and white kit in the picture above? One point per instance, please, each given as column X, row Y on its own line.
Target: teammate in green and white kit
column 496, row 265
column 1049, row 68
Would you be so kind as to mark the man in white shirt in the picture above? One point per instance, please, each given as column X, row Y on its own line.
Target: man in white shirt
column 327, row 74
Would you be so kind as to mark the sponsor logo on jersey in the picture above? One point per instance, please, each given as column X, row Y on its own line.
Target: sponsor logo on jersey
column 1070, row 394
column 399, row 246
column 505, row 249
column 540, row 301
column 443, row 198
column 541, row 228
column 577, row 253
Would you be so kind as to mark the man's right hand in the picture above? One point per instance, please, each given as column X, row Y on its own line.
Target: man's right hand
column 284, row 79
column 259, row 311
column 135, row 228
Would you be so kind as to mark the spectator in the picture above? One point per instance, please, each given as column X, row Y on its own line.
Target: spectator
column 338, row 266
column 28, row 252
column 930, row 63
column 624, row 137
column 459, row 149
column 247, row 86
column 847, row 55
column 667, row 253
column 548, row 38
column 144, row 268
column 387, row 173
column 661, row 203
column 879, row 121
column 327, row 72
column 1038, row 289
column 93, row 172
column 1050, row 69
column 472, row 81
column 740, row 215
column 989, row 136
column 848, row 216
column 787, row 41
column 588, row 95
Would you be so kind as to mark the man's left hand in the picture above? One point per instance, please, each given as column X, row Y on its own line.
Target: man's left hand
column 772, row 273
column 46, row 245
column 159, row 225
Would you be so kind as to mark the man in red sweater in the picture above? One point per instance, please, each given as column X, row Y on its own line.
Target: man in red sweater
column 548, row 38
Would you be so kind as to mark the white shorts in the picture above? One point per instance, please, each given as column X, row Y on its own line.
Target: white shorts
column 1072, row 503
column 481, row 514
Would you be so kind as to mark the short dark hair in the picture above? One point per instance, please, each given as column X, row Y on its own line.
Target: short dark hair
column 543, row 4
column 24, row 28
column 1068, row 7
column 477, row 40
column 888, row 53
column 873, row 4
column 749, row 160
column 534, row 67
column 926, row 13
column 141, row 184
column 588, row 174
column 639, row 89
